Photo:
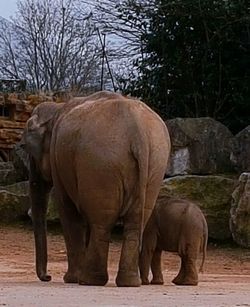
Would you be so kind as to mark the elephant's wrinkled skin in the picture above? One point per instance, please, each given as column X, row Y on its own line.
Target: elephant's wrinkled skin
column 106, row 156
column 175, row 226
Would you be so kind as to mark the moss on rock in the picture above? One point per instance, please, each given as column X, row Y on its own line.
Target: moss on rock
column 14, row 202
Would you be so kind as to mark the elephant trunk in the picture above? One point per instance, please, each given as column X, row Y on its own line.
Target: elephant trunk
column 39, row 192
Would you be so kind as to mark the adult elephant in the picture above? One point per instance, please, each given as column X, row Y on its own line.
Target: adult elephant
column 106, row 156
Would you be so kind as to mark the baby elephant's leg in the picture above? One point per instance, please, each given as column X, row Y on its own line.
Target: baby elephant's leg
column 156, row 268
column 178, row 280
column 191, row 274
column 188, row 275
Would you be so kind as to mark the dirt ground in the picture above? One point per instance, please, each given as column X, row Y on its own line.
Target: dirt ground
column 226, row 281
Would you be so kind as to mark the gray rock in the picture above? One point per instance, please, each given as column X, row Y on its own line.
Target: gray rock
column 199, row 146
column 52, row 212
column 240, row 212
column 14, row 202
column 20, row 161
column 7, row 173
column 241, row 153
column 212, row 194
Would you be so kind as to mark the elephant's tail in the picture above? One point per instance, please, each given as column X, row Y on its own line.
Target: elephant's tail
column 141, row 155
column 204, row 244
column 143, row 181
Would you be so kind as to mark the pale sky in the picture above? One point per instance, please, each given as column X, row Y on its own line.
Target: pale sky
column 7, row 8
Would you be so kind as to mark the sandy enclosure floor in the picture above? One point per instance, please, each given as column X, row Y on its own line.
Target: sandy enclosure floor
column 226, row 281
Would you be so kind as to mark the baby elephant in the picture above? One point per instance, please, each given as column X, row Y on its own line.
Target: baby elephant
column 176, row 226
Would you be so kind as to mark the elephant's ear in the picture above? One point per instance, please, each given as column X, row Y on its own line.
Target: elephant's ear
column 33, row 136
column 39, row 128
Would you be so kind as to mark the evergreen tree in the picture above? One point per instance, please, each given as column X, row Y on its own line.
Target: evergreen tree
column 196, row 60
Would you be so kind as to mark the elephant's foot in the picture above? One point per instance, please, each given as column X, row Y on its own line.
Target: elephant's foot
column 44, row 277
column 157, row 278
column 144, row 281
column 125, row 279
column 96, row 279
column 185, row 281
column 157, row 281
column 177, row 280
column 71, row 278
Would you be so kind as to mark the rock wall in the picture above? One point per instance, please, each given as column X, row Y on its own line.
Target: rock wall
column 15, row 110
column 14, row 202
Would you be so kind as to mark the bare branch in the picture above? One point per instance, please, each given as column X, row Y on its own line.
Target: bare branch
column 49, row 43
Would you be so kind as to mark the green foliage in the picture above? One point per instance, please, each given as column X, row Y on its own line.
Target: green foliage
column 195, row 60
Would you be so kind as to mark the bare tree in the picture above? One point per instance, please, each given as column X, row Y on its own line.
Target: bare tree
column 8, row 55
column 51, row 43
column 122, row 18
column 124, row 23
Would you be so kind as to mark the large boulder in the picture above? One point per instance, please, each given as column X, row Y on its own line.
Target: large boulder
column 212, row 193
column 240, row 212
column 7, row 173
column 199, row 146
column 14, row 202
column 20, row 161
column 52, row 212
column 241, row 154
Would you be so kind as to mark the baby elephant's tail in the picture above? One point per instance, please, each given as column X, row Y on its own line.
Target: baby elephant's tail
column 204, row 244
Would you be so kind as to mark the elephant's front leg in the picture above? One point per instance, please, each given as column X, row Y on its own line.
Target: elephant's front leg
column 94, row 271
column 144, row 265
column 146, row 256
column 156, row 268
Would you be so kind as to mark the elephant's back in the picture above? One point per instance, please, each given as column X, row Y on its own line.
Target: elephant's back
column 98, row 129
column 111, row 127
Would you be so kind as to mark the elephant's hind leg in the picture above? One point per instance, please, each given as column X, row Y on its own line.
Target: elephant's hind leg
column 191, row 274
column 188, row 275
column 128, row 266
column 156, row 268
column 74, row 230
column 101, row 214
column 178, row 280
column 94, row 271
